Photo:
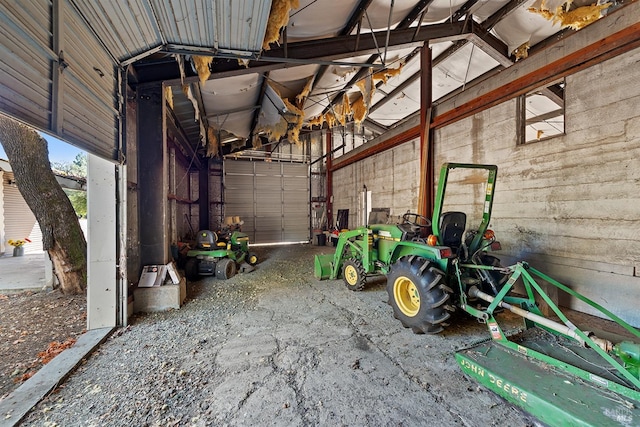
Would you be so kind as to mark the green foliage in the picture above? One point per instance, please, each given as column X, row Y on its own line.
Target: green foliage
column 77, row 168
column 78, row 199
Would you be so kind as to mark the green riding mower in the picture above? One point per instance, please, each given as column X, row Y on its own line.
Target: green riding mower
column 220, row 256
column 560, row 373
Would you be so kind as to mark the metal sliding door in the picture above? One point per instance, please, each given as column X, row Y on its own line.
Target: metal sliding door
column 271, row 198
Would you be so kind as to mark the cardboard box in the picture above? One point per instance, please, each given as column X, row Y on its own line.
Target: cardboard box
column 155, row 275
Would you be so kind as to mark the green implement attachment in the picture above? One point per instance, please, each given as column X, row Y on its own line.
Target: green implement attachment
column 322, row 266
column 559, row 373
column 545, row 390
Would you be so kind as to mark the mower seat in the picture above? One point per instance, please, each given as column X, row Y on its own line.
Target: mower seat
column 206, row 240
column 452, row 225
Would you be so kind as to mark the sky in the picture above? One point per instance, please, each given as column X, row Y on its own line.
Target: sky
column 59, row 151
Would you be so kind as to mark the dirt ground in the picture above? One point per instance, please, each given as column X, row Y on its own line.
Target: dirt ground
column 29, row 323
column 278, row 347
column 272, row 347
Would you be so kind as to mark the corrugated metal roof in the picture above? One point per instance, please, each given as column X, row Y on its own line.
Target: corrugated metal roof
column 241, row 24
column 76, row 97
column 126, row 28
column 131, row 29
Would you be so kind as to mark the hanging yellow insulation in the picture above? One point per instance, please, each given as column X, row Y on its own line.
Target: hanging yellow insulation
column 346, row 105
column 367, row 88
column 168, row 96
column 202, row 64
column 186, row 89
column 297, row 118
column 256, row 142
column 384, row 75
column 305, row 91
column 522, row 51
column 359, row 111
column 212, row 142
column 290, row 122
column 575, row 19
column 317, row 121
column 330, row 119
column 277, row 131
column 237, row 145
column 278, row 18
column 338, row 112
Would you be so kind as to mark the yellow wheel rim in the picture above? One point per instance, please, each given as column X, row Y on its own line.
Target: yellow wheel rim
column 351, row 275
column 406, row 295
column 253, row 259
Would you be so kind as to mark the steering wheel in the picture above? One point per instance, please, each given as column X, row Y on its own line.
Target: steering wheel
column 416, row 220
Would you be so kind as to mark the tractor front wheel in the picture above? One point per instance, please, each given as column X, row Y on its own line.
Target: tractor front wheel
column 225, row 269
column 191, row 269
column 353, row 275
column 418, row 295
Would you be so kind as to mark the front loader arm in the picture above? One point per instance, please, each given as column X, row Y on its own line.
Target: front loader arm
column 347, row 248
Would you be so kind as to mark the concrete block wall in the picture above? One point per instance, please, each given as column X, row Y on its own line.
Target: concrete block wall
column 391, row 176
column 569, row 205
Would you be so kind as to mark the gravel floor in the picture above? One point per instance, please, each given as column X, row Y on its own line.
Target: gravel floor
column 278, row 347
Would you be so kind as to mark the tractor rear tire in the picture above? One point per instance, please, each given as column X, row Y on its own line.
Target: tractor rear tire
column 354, row 275
column 225, row 269
column 191, row 269
column 418, row 295
column 252, row 259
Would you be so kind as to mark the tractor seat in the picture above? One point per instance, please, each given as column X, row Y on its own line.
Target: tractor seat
column 452, row 225
column 206, row 239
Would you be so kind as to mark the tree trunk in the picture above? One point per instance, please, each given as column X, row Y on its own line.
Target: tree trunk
column 62, row 236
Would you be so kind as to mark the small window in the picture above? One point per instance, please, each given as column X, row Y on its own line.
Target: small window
column 541, row 113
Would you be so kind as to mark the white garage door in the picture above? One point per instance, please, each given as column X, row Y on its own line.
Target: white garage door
column 271, row 198
column 57, row 76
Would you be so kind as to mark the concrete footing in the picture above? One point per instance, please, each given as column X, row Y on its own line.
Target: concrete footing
column 159, row 298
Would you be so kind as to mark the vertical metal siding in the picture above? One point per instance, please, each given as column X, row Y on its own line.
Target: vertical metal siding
column 216, row 194
column 25, row 69
column 271, row 198
column 223, row 24
column 88, row 84
column 94, row 38
column 239, row 183
column 296, row 193
column 90, row 115
column 19, row 221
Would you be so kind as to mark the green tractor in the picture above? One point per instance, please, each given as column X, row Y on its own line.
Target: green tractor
column 417, row 257
column 220, row 256
column 559, row 372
